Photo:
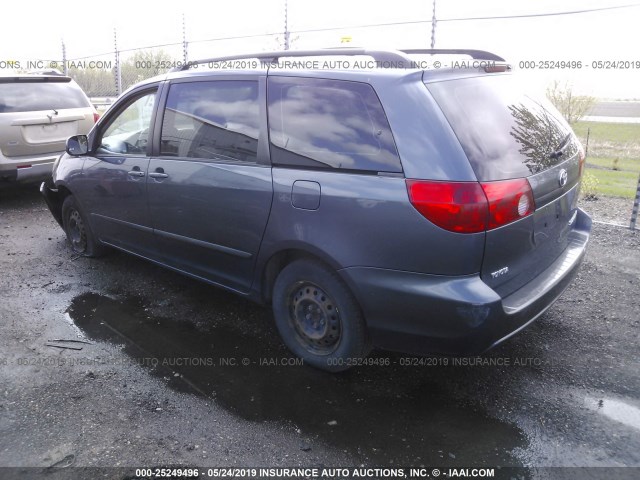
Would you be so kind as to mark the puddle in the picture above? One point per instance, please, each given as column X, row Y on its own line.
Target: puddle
column 616, row 410
column 388, row 415
column 78, row 331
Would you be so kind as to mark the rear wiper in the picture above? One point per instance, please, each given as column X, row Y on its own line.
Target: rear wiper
column 558, row 152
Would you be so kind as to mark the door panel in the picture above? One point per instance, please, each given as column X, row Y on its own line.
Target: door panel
column 209, row 192
column 114, row 190
column 209, row 218
column 115, row 194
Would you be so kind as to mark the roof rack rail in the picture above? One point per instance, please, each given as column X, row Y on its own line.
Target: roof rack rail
column 270, row 57
column 475, row 54
column 398, row 56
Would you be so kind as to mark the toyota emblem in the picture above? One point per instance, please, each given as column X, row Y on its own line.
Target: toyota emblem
column 562, row 178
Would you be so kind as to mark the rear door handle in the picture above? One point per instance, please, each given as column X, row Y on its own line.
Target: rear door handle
column 159, row 173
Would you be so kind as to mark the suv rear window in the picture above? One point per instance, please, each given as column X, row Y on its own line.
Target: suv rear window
column 33, row 96
column 504, row 132
column 333, row 124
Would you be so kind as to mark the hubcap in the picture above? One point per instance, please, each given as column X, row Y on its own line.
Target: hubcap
column 315, row 319
column 77, row 234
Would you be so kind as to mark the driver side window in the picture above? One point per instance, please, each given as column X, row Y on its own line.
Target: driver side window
column 128, row 132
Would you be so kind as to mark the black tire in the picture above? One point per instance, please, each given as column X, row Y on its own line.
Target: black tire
column 78, row 230
column 332, row 333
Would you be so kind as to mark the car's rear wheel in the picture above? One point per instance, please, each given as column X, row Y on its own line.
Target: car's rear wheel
column 78, row 230
column 318, row 317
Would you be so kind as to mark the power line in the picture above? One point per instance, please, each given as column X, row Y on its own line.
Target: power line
column 387, row 24
column 533, row 15
column 461, row 19
column 217, row 39
column 414, row 22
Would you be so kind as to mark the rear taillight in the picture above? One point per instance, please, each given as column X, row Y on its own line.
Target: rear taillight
column 509, row 200
column 471, row 207
column 96, row 117
column 581, row 161
column 455, row 206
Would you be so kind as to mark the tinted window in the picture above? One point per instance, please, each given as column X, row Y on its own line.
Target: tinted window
column 329, row 124
column 31, row 96
column 214, row 120
column 128, row 131
column 505, row 133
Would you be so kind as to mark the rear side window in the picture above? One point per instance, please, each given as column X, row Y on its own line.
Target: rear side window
column 32, row 96
column 504, row 132
column 332, row 124
column 217, row 120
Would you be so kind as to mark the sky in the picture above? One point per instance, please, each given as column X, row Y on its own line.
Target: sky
column 35, row 30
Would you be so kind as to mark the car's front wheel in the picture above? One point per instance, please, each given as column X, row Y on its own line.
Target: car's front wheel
column 317, row 316
column 78, row 230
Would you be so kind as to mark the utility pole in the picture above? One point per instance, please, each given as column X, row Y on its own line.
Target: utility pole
column 433, row 26
column 65, row 70
column 117, row 70
column 636, row 206
column 184, row 41
column 286, row 25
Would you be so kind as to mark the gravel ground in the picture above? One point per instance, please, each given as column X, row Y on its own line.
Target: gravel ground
column 610, row 210
column 563, row 393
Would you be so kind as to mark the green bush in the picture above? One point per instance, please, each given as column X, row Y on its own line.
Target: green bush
column 589, row 186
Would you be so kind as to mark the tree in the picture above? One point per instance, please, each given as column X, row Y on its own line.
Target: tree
column 572, row 107
column 145, row 64
column 537, row 136
column 95, row 82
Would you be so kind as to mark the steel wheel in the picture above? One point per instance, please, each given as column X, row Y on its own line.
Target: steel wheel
column 315, row 319
column 318, row 317
column 77, row 232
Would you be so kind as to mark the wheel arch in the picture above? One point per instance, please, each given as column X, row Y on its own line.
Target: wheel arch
column 278, row 260
column 55, row 197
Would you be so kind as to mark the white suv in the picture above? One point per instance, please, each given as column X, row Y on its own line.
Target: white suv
column 38, row 112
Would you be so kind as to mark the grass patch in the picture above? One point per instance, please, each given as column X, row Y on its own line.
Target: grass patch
column 615, row 183
column 624, row 164
column 608, row 132
column 610, row 140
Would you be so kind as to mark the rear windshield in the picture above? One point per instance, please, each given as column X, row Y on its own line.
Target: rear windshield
column 504, row 132
column 35, row 96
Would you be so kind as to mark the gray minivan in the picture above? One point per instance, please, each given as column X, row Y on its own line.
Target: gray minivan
column 400, row 207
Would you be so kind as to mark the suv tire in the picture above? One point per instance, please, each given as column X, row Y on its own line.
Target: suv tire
column 78, row 230
column 317, row 316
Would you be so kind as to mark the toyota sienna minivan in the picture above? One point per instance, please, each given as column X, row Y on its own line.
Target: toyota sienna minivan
column 397, row 206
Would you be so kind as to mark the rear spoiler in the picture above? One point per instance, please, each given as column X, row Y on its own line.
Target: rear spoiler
column 38, row 78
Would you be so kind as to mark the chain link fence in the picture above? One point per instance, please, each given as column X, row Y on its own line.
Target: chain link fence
column 105, row 76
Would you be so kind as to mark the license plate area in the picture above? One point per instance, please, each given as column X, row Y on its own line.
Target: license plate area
column 554, row 221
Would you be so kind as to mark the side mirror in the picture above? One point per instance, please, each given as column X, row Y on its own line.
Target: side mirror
column 77, row 145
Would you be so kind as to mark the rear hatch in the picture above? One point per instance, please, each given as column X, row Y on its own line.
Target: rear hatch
column 507, row 134
column 38, row 114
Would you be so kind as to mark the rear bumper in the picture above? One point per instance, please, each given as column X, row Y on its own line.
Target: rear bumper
column 25, row 169
column 419, row 313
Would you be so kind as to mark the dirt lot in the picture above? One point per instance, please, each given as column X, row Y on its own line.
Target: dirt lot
column 116, row 362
